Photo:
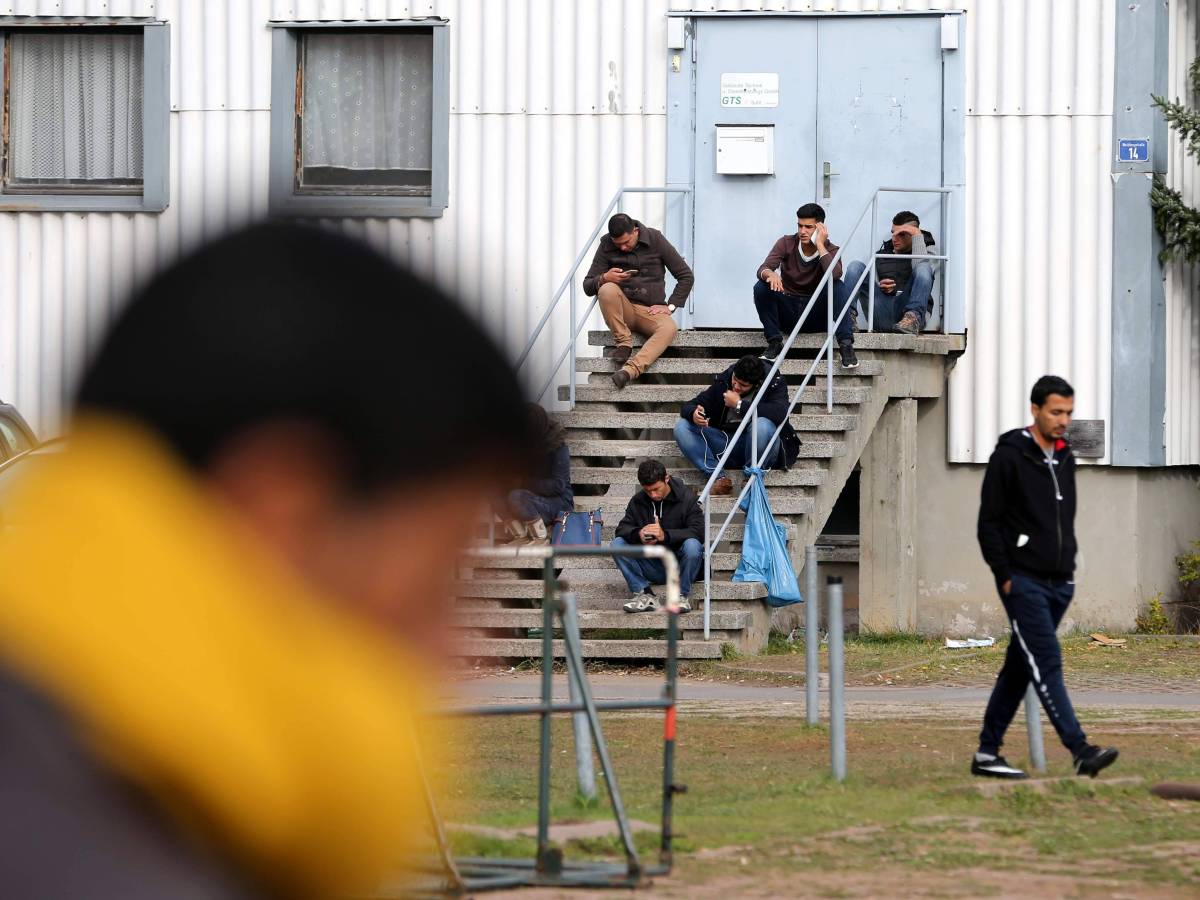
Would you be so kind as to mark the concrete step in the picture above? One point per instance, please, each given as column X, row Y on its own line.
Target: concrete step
column 782, row 504
column 753, row 340
column 591, row 619
column 641, row 392
column 586, row 418
column 613, row 475
column 721, row 562
column 531, row 648
column 685, row 365
column 612, row 590
column 664, row 449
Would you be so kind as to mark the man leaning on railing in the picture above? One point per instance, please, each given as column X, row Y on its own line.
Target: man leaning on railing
column 628, row 274
column 903, row 287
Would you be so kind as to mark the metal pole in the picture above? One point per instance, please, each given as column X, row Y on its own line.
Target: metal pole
column 545, row 861
column 573, row 342
column 754, row 437
column 812, row 636
column 584, row 766
column 669, row 786
column 1033, row 724
column 829, row 340
column 871, row 288
column 837, row 701
column 707, row 562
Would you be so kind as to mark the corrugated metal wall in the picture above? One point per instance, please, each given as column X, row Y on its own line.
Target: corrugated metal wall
column 1183, row 282
column 554, row 105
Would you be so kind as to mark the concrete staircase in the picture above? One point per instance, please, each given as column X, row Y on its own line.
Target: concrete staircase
column 611, row 431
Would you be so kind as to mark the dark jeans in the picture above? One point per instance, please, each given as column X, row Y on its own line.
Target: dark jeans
column 778, row 311
column 641, row 573
column 1034, row 608
column 703, row 446
column 890, row 308
column 527, row 506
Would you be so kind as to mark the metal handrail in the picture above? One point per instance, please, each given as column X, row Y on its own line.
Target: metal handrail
column 569, row 281
column 826, row 349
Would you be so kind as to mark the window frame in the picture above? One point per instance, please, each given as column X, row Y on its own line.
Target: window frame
column 286, row 94
column 155, row 192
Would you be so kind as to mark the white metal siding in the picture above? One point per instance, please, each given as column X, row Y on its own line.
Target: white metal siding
column 1183, row 282
column 554, row 105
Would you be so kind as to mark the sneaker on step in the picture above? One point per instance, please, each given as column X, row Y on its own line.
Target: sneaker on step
column 722, row 487
column 909, row 324
column 849, row 357
column 1091, row 759
column 988, row 765
column 621, row 354
column 620, row 378
column 643, row 602
column 774, row 348
column 685, row 605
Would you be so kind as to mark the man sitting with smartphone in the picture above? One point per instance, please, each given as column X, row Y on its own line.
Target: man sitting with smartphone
column 708, row 422
column 663, row 512
column 904, row 285
column 628, row 274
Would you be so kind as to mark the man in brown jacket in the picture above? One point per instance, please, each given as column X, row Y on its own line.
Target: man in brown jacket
column 787, row 279
column 628, row 273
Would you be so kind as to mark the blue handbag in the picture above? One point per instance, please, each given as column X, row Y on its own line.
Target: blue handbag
column 764, row 549
column 578, row 529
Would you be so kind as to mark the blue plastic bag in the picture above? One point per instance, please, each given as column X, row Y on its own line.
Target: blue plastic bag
column 764, row 549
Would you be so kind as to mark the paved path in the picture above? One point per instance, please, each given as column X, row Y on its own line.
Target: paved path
column 729, row 698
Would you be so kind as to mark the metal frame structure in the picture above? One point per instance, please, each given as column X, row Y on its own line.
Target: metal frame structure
column 826, row 350
column 548, row 868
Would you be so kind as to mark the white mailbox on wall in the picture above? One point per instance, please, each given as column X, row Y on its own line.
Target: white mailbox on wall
column 745, row 149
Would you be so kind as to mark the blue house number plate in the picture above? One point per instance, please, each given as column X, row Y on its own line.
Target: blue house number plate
column 1133, row 151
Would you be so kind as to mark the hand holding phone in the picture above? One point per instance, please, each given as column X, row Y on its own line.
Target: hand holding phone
column 699, row 416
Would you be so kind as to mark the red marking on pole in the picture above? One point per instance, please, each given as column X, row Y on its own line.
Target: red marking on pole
column 669, row 725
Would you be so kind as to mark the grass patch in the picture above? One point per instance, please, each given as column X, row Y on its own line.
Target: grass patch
column 760, row 788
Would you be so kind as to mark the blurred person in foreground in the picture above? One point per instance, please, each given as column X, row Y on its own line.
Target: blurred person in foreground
column 219, row 597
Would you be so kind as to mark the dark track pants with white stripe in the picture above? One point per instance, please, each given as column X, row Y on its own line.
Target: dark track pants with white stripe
column 1034, row 608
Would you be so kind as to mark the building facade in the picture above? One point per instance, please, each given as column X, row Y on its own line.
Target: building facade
column 533, row 113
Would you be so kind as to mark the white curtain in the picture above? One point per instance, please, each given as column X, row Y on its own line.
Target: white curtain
column 368, row 101
column 76, row 107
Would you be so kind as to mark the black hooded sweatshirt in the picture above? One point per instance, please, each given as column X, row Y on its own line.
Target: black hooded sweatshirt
column 678, row 513
column 1026, row 519
column 773, row 406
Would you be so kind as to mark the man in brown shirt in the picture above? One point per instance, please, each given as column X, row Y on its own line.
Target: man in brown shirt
column 786, row 281
column 629, row 273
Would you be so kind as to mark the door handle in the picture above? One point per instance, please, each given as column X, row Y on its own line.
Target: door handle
column 827, row 173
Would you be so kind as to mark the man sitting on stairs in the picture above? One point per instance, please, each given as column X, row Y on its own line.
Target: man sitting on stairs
column 790, row 274
column 663, row 512
column 708, row 422
column 628, row 274
column 903, row 286
column 531, row 509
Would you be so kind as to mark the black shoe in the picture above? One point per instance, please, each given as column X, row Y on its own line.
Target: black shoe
column 620, row 378
column 621, row 355
column 849, row 358
column 774, row 348
column 989, row 766
column 1091, row 759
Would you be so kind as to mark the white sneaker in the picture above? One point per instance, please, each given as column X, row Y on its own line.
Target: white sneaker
column 640, row 603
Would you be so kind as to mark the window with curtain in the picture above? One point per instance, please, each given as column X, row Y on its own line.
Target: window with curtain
column 366, row 122
column 74, row 112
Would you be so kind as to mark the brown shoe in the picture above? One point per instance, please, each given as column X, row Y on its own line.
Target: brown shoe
column 620, row 378
column 722, row 487
column 908, row 324
column 621, row 355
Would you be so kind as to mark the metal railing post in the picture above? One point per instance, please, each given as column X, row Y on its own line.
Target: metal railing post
column 837, row 674
column 754, row 436
column 584, row 766
column 545, row 857
column 812, row 636
column 707, row 565
column 574, row 341
column 829, row 341
column 871, row 244
column 1033, row 725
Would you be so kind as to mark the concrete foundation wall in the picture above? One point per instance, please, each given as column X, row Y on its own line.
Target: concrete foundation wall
column 1131, row 524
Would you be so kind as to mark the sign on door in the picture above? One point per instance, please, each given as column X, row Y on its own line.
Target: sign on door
column 741, row 90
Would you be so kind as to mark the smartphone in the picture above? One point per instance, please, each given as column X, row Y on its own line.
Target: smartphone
column 630, row 271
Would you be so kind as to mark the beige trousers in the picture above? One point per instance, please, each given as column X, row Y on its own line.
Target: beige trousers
column 623, row 317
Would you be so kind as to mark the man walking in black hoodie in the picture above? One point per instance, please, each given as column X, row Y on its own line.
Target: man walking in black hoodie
column 1027, row 534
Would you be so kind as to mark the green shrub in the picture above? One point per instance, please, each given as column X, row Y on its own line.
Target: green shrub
column 1154, row 620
